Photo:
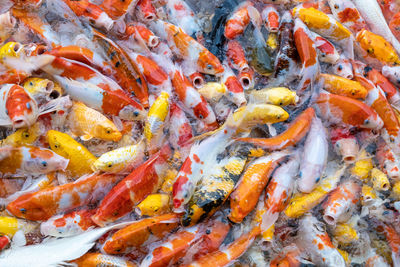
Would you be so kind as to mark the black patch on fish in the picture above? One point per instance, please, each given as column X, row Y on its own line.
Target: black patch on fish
column 216, row 39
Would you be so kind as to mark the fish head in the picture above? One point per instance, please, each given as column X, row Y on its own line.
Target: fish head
column 38, row 87
column 132, row 113
column 373, row 122
column 45, row 161
column 107, row 131
column 59, row 141
column 26, row 207
column 107, row 164
column 22, row 109
column 11, row 49
column 209, row 64
column 26, row 136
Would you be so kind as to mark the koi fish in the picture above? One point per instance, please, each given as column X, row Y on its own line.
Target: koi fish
column 68, row 224
column 44, row 204
column 234, row 87
column 340, row 202
column 245, row 196
column 348, row 111
column 29, row 160
column 96, row 259
column 236, row 55
column 134, row 188
column 156, row 119
column 327, row 27
column 372, row 14
column 140, row 233
column 343, row 68
column 294, row 133
column 153, row 205
column 188, row 49
column 88, row 123
column 123, row 159
column 278, row 192
column 145, row 10
column 141, row 31
column 317, row 243
column 314, row 157
column 80, row 158
column 238, row 21
column 346, row 13
column 213, row 190
column 280, row 96
column 92, row 12
column 117, row 9
column 287, row 55
column 342, row 86
column 271, row 18
column 22, row 136
column 308, row 54
column 326, row 50
column 388, row 160
column 183, row 16
column 345, row 144
column 42, row 90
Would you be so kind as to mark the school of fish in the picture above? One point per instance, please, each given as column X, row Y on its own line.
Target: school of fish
column 199, row 133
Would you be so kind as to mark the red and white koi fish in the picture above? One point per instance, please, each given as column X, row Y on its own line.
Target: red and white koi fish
column 279, row 192
column 388, row 161
column 316, row 242
column 343, row 67
column 314, row 157
column 146, row 11
column 68, row 224
column 345, row 144
column 42, row 205
column 246, row 78
column 140, row 30
column 308, row 54
column 340, row 203
column 348, row 111
column 157, row 79
column 180, row 130
column 271, row 18
column 29, row 160
column 372, row 14
column 287, row 56
column 134, row 188
column 183, row 16
column 233, row 86
column 188, row 49
column 238, row 21
column 112, row 102
column 326, row 50
column 236, row 55
column 346, row 13
column 84, row 8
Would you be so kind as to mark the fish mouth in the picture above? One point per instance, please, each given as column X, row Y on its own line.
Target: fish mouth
column 20, row 122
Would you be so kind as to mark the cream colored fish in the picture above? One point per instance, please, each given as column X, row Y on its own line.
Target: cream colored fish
column 89, row 123
column 280, row 96
column 123, row 159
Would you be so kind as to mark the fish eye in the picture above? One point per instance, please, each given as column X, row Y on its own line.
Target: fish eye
column 209, row 67
column 336, row 6
column 370, row 50
column 56, row 145
column 109, row 164
column 23, row 211
column 201, row 117
column 108, row 130
column 25, row 135
column 340, row 67
column 136, row 113
column 44, row 163
column 366, row 121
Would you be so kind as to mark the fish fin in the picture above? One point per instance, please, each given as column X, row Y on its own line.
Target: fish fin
column 5, row 122
column 255, row 16
column 271, row 129
column 55, row 104
column 28, row 64
column 86, row 137
column 268, row 220
column 348, row 49
column 118, row 123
